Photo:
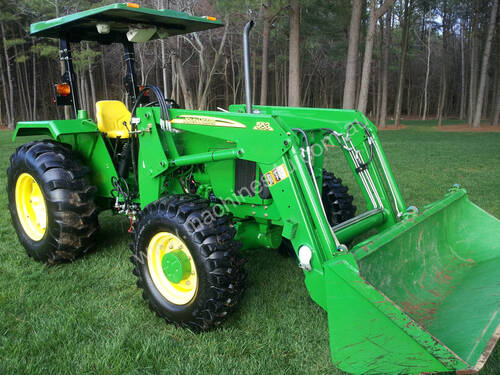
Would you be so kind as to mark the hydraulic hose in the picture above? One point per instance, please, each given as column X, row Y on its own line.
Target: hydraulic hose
column 164, row 118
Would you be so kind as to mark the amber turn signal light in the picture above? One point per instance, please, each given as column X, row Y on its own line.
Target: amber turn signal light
column 63, row 89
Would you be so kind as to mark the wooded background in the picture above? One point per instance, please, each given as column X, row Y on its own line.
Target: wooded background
column 392, row 58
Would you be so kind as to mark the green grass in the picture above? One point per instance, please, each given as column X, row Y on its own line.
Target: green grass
column 89, row 317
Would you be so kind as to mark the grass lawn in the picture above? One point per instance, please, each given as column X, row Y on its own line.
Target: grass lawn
column 89, row 317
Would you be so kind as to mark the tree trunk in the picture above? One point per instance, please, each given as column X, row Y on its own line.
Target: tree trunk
column 495, row 116
column 226, row 83
column 462, row 72
column 442, row 95
column 5, row 94
column 104, row 78
column 92, row 85
column 173, row 77
column 349, row 101
column 473, row 70
column 186, row 90
column 375, row 14
column 276, row 79
column 427, row 73
column 266, row 34
column 10, row 113
column 166, row 89
column 379, row 72
column 26, row 84
column 402, row 66
column 484, row 66
column 444, row 57
column 83, row 94
column 209, row 74
column 385, row 71
column 294, row 56
column 20, row 85
column 233, row 72
column 496, row 113
column 486, row 98
column 33, row 61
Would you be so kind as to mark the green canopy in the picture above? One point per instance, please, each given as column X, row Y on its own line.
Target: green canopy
column 115, row 21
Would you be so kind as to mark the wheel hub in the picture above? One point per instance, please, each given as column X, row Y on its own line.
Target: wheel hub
column 31, row 207
column 172, row 268
column 176, row 266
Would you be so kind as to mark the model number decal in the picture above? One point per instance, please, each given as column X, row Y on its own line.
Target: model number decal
column 207, row 121
column 278, row 174
column 261, row 125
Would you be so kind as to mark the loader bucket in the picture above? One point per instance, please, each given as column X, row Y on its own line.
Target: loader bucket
column 422, row 296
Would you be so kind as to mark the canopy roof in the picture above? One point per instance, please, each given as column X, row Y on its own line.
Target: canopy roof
column 120, row 17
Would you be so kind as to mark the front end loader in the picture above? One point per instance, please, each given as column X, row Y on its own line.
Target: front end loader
column 422, row 295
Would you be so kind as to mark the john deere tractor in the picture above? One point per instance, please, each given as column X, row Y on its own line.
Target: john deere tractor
column 420, row 295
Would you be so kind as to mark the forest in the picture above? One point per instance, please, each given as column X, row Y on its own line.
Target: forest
column 391, row 59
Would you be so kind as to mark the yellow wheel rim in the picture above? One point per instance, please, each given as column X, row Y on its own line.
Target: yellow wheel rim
column 31, row 207
column 179, row 293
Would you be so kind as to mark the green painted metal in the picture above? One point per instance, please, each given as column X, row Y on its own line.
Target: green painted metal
column 84, row 137
column 427, row 292
column 83, row 25
column 176, row 266
column 390, row 298
column 55, row 128
column 206, row 157
column 379, row 296
column 420, row 295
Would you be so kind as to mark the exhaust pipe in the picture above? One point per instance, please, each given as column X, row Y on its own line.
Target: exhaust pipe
column 246, row 64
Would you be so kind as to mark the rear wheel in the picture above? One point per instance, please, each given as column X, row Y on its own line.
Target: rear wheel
column 186, row 261
column 51, row 202
column 337, row 203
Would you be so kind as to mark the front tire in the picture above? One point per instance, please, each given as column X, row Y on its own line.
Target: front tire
column 51, row 202
column 187, row 263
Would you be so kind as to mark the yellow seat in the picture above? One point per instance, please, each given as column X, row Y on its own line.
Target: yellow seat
column 110, row 117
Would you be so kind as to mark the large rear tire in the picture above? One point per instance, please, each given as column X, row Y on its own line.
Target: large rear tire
column 51, row 202
column 187, row 262
column 337, row 203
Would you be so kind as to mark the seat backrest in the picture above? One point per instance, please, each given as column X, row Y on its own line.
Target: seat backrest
column 110, row 117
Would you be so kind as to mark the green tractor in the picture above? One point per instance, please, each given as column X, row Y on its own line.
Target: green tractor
column 420, row 295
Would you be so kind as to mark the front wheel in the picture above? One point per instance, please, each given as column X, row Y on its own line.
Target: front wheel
column 186, row 261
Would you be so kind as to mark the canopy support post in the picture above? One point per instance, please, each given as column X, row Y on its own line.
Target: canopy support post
column 69, row 75
column 130, row 78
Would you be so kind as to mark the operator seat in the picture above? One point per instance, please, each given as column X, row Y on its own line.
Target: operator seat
column 110, row 117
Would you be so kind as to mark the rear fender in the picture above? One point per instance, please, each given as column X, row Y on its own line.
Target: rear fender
column 85, row 138
column 55, row 128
